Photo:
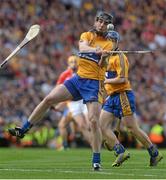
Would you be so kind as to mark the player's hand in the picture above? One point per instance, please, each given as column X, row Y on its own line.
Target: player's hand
column 99, row 50
column 105, row 53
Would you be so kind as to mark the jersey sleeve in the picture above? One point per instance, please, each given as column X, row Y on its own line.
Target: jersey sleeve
column 86, row 36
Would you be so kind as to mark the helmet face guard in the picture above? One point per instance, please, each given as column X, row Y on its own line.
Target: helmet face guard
column 108, row 18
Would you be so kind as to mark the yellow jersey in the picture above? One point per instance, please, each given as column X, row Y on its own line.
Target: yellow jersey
column 117, row 67
column 88, row 62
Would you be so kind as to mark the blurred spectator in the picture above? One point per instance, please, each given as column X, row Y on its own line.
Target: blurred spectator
column 157, row 135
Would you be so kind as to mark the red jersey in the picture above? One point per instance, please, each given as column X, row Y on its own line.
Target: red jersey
column 67, row 74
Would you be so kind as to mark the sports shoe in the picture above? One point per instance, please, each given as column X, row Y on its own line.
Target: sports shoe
column 155, row 160
column 121, row 158
column 16, row 132
column 96, row 166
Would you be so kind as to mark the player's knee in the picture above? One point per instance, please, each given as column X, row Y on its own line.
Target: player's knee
column 49, row 100
column 132, row 129
column 94, row 124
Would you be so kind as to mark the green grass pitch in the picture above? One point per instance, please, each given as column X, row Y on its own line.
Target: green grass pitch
column 75, row 164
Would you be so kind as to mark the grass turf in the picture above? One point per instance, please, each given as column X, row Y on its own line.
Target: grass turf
column 74, row 164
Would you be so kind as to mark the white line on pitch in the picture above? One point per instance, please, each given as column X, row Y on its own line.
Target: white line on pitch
column 74, row 172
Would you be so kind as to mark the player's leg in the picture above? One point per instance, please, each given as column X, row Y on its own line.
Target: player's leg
column 78, row 111
column 112, row 109
column 92, row 94
column 132, row 125
column 59, row 94
column 82, row 126
column 117, row 127
column 62, row 125
column 93, row 116
column 106, row 119
column 128, row 110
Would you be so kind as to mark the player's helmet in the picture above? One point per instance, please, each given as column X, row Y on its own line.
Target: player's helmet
column 108, row 18
column 114, row 35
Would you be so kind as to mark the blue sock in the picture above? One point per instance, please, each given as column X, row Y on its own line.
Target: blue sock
column 96, row 158
column 119, row 148
column 26, row 127
column 153, row 151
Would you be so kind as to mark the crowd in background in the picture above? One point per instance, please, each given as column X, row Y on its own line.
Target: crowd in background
column 34, row 71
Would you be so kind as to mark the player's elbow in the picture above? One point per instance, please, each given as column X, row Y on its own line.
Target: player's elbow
column 83, row 46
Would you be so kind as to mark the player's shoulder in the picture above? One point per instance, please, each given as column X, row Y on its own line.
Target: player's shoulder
column 87, row 34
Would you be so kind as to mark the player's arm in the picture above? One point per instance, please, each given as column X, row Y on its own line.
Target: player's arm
column 84, row 44
column 117, row 80
column 105, row 55
column 121, row 74
column 85, row 47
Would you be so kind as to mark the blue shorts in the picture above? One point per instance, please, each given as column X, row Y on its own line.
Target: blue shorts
column 120, row 104
column 89, row 90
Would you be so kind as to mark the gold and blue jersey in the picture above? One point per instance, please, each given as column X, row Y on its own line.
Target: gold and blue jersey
column 121, row 99
column 118, row 66
column 88, row 62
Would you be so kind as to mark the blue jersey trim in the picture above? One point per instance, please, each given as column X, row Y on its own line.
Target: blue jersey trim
column 90, row 56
